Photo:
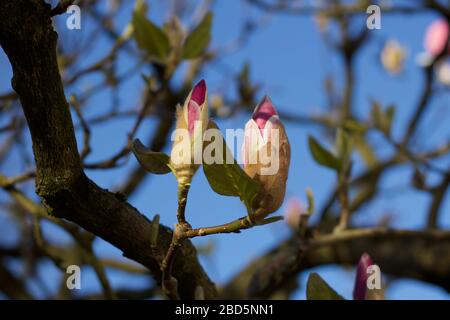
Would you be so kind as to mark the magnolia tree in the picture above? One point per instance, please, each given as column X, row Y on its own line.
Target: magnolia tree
column 43, row 174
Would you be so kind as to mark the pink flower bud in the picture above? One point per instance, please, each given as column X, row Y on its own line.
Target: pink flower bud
column 266, row 155
column 359, row 292
column 263, row 112
column 195, row 104
column 259, row 128
column 294, row 210
column 436, row 37
column 192, row 121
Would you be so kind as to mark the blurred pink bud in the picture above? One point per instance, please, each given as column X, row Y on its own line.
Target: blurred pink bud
column 195, row 105
column 359, row 292
column 294, row 210
column 436, row 37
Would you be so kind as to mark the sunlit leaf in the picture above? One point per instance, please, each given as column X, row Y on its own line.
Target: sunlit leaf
column 198, row 40
column 154, row 162
column 366, row 151
column 229, row 179
column 390, row 113
column 344, row 145
column 322, row 156
column 149, row 37
column 382, row 120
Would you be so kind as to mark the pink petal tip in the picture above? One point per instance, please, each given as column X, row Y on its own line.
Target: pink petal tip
column 359, row 291
column 199, row 92
column 263, row 112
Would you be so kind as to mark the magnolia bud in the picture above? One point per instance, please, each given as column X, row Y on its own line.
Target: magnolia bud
column 266, row 154
column 359, row 292
column 436, row 37
column 192, row 121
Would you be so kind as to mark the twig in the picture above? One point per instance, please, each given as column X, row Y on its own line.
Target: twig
column 86, row 130
column 438, row 197
column 183, row 191
column 343, row 199
column 10, row 182
column 61, row 7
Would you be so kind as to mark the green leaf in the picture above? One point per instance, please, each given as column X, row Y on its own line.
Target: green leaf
column 377, row 115
column 382, row 120
column 229, row 179
column 390, row 113
column 154, row 162
column 140, row 6
column 310, row 198
column 322, row 156
column 366, row 151
column 198, row 39
column 318, row 289
column 149, row 37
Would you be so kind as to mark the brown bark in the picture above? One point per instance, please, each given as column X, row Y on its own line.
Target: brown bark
column 27, row 37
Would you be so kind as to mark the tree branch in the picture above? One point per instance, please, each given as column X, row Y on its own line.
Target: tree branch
column 29, row 41
column 420, row 255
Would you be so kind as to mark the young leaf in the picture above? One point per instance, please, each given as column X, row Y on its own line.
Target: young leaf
column 149, row 37
column 377, row 115
column 229, row 179
column 382, row 120
column 318, row 289
column 323, row 156
column 344, row 146
column 390, row 113
column 366, row 151
column 154, row 162
column 198, row 39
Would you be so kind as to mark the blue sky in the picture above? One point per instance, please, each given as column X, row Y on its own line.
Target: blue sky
column 290, row 60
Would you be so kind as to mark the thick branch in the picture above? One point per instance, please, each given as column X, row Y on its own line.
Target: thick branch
column 421, row 255
column 29, row 41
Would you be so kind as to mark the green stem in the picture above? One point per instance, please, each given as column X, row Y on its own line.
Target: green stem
column 232, row 227
column 183, row 190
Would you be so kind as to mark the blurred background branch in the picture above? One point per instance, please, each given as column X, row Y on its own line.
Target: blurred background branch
column 118, row 87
